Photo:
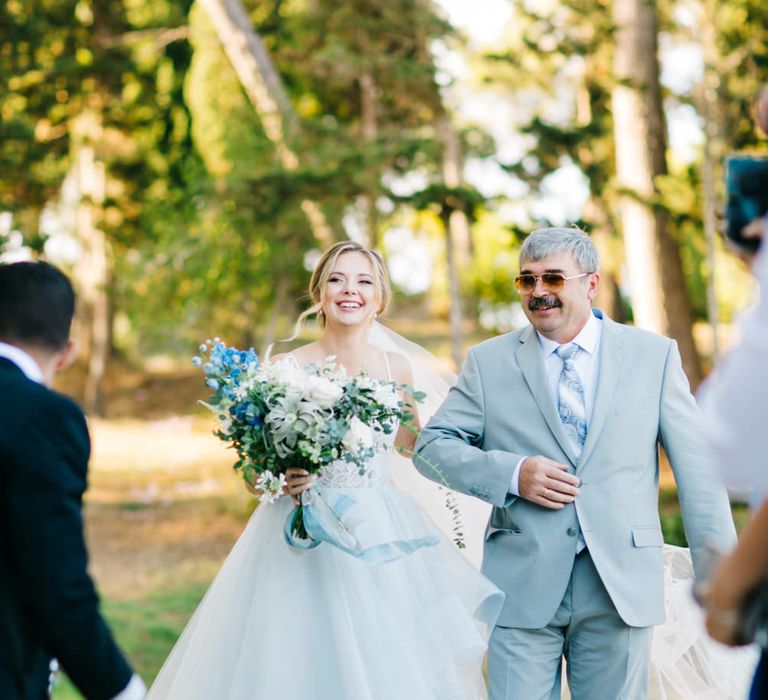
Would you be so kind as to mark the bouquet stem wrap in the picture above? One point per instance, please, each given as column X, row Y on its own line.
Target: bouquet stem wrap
column 295, row 530
column 375, row 525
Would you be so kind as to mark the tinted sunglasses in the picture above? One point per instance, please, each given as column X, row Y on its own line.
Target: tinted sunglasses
column 552, row 281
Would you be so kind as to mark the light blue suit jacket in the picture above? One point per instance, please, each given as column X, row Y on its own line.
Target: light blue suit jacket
column 502, row 410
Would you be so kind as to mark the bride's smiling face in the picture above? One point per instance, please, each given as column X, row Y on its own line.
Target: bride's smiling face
column 351, row 295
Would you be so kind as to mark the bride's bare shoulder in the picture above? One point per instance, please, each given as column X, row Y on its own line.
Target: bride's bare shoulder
column 302, row 355
column 279, row 356
column 401, row 368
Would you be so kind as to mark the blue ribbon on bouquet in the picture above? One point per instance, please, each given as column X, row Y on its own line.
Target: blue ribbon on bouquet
column 333, row 516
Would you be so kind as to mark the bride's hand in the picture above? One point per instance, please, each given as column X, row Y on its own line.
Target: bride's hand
column 298, row 481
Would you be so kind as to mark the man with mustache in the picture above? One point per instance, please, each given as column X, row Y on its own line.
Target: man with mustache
column 558, row 425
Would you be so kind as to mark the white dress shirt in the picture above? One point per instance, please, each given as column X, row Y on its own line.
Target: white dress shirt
column 734, row 400
column 135, row 690
column 23, row 361
column 586, row 365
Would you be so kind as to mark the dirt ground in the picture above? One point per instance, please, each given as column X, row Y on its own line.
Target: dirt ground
column 163, row 504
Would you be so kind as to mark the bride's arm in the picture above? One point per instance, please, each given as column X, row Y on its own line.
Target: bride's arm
column 407, row 434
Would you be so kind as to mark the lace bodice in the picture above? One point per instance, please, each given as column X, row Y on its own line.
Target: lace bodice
column 343, row 475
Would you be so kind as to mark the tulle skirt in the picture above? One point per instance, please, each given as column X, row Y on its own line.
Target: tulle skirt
column 283, row 624
column 686, row 663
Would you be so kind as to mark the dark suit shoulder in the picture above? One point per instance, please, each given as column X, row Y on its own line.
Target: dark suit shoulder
column 34, row 418
column 23, row 396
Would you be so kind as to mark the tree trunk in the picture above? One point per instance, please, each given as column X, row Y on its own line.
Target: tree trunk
column 370, row 133
column 659, row 295
column 708, row 168
column 608, row 293
column 709, row 105
column 455, row 312
column 453, row 176
column 597, row 211
column 457, row 235
column 93, row 270
column 264, row 88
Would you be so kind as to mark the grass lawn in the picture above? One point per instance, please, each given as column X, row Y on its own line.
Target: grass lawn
column 146, row 629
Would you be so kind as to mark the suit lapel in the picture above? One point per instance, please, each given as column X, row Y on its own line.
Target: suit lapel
column 529, row 360
column 611, row 361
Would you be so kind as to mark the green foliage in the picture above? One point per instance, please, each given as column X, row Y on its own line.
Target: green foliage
column 491, row 276
column 445, row 200
column 742, row 45
column 238, row 224
column 41, row 70
column 672, row 519
column 563, row 55
column 206, row 226
column 390, row 45
column 201, row 217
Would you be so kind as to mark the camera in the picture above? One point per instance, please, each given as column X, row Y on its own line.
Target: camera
column 746, row 179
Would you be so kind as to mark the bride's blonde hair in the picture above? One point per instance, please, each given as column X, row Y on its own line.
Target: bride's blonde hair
column 322, row 272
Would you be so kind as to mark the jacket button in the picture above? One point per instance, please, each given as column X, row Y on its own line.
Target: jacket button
column 571, row 532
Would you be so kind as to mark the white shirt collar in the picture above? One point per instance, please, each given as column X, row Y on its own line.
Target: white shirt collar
column 586, row 338
column 23, row 361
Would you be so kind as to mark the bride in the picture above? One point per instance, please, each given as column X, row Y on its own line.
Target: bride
column 288, row 624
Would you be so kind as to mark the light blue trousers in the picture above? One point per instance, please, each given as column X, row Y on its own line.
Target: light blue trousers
column 605, row 658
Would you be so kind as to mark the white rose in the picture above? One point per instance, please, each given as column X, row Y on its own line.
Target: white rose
column 358, row 436
column 323, row 392
column 364, row 381
column 386, row 395
column 286, row 373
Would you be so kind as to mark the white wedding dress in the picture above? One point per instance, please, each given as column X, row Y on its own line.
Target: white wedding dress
column 403, row 617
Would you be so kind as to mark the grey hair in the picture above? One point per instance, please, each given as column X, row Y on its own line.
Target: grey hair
column 548, row 241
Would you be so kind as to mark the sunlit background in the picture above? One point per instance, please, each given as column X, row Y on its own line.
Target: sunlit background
column 188, row 188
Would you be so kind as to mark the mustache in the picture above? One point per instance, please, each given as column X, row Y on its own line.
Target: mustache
column 544, row 303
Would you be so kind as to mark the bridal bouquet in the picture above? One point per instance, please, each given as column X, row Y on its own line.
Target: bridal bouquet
column 277, row 415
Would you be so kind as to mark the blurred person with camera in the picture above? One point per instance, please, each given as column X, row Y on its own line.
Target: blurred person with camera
column 49, row 608
column 733, row 401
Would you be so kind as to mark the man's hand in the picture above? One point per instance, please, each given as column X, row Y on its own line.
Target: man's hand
column 547, row 483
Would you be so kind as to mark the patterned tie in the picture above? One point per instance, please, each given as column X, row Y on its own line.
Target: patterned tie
column 570, row 397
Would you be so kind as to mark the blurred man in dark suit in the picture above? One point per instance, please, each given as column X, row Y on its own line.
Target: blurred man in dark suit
column 48, row 604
